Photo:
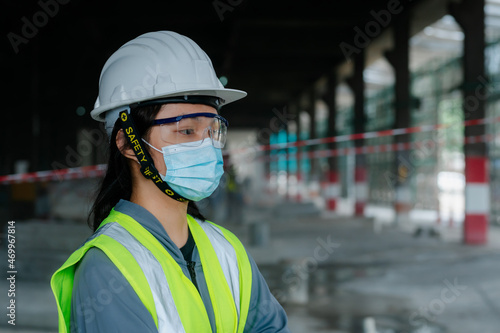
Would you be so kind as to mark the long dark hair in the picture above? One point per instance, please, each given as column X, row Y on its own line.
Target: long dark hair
column 117, row 183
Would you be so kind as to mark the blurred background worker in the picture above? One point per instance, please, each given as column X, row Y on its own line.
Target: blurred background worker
column 163, row 267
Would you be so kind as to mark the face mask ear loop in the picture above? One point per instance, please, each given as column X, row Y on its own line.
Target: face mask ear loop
column 158, row 150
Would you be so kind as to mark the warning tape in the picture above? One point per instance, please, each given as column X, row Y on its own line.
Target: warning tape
column 100, row 169
column 382, row 148
column 91, row 171
column 371, row 135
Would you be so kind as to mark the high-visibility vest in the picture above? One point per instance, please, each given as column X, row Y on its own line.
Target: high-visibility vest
column 167, row 293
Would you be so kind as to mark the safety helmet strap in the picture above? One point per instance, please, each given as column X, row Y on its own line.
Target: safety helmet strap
column 148, row 169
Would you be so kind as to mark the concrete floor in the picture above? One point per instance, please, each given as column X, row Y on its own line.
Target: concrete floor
column 336, row 274
column 430, row 283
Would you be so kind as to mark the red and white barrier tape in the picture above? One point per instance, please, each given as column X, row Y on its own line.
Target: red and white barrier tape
column 100, row 169
column 383, row 148
column 366, row 135
column 61, row 174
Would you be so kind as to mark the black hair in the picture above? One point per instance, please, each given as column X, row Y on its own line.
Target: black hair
column 117, row 183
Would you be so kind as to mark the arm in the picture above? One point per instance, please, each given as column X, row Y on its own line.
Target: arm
column 104, row 301
column 265, row 314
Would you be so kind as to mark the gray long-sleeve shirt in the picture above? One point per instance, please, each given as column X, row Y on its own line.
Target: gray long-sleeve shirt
column 104, row 301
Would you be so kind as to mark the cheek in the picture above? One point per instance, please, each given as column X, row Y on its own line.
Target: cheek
column 156, row 155
column 158, row 161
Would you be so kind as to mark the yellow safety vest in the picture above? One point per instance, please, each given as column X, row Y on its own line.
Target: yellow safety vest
column 168, row 295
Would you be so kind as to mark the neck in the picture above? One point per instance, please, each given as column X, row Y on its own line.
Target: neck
column 171, row 213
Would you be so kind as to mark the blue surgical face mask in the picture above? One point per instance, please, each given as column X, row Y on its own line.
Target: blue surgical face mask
column 192, row 171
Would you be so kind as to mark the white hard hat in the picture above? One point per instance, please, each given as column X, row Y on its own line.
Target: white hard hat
column 157, row 65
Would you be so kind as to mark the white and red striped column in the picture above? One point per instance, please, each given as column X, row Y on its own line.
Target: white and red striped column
column 403, row 203
column 361, row 190
column 332, row 190
column 268, row 187
column 300, row 188
column 292, row 190
column 477, row 200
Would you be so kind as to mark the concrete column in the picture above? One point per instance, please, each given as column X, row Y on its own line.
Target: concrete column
column 357, row 85
column 313, row 133
column 300, row 151
column 293, row 161
column 305, row 162
column 267, row 167
column 304, row 133
column 399, row 59
column 332, row 190
column 470, row 16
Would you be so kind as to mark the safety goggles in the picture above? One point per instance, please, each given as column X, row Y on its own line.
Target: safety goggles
column 193, row 129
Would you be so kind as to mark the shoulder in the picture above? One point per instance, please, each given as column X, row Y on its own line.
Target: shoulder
column 104, row 301
column 96, row 270
column 220, row 231
column 225, row 242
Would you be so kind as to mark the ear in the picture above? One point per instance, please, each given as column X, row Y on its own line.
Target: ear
column 123, row 147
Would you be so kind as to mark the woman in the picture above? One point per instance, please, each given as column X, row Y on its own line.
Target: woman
column 153, row 263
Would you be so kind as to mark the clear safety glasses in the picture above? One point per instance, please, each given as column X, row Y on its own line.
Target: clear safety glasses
column 192, row 129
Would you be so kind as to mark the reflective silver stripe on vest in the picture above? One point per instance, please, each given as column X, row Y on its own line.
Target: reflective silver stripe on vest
column 227, row 259
column 168, row 317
